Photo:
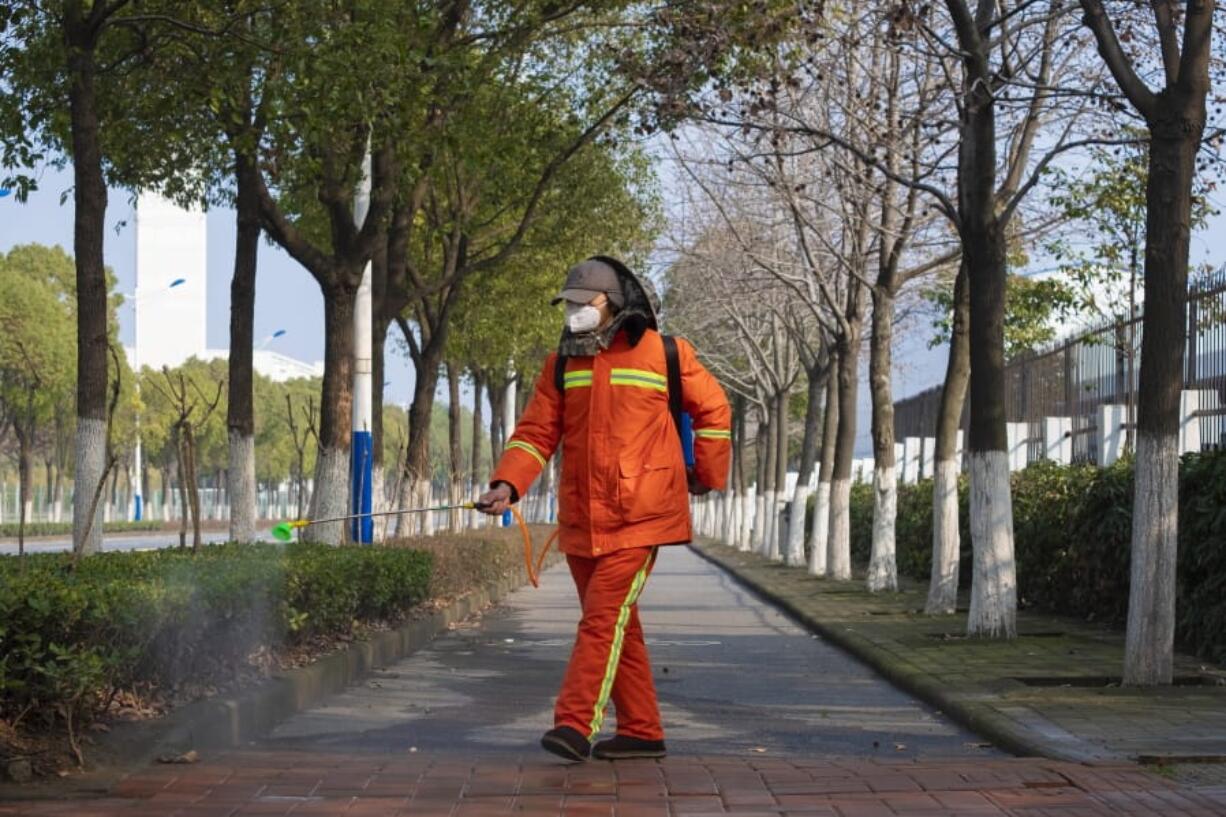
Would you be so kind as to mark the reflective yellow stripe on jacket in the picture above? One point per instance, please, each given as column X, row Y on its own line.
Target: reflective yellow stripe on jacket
column 640, row 378
column 529, row 447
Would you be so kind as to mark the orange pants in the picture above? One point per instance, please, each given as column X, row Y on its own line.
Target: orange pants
column 609, row 658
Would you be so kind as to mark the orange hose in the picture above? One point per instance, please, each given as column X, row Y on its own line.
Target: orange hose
column 533, row 566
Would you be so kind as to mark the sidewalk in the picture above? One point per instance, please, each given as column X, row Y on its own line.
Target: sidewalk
column 310, row 784
column 1053, row 692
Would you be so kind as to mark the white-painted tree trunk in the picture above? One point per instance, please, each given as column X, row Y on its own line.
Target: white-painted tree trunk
column 743, row 521
column 795, row 555
column 378, row 503
column 993, row 612
column 882, row 565
column 90, row 451
column 839, row 559
column 1150, row 640
column 429, row 522
column 771, row 550
column 331, row 496
column 240, row 479
column 819, row 548
column 759, row 523
column 946, row 540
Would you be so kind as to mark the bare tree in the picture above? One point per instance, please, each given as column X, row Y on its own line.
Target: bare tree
column 1176, row 118
column 192, row 409
column 301, row 437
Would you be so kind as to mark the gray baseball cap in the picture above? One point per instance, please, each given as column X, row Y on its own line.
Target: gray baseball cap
column 589, row 278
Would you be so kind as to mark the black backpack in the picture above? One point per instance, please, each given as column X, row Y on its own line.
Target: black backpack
column 672, row 363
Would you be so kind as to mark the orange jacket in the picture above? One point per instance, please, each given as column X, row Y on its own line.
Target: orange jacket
column 623, row 480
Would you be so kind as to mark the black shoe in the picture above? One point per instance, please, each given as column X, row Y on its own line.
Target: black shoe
column 566, row 742
column 624, row 747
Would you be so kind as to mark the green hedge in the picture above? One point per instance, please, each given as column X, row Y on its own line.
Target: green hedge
column 1072, row 529
column 8, row 530
column 69, row 640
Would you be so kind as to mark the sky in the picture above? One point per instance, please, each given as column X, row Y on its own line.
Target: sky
column 288, row 298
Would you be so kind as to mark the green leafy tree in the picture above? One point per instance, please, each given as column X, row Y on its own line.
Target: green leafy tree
column 69, row 72
column 37, row 367
column 1033, row 309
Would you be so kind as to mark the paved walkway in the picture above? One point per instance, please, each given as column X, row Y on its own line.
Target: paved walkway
column 734, row 676
column 311, row 784
column 763, row 720
column 1054, row 691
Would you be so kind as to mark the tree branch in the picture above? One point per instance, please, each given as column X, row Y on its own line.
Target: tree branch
column 1138, row 93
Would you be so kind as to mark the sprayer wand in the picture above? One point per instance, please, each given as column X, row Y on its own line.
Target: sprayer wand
column 284, row 531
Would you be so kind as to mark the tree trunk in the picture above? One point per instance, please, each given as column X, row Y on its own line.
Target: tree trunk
column 498, row 403
column 779, row 541
column 48, row 494
column 819, row 548
column 762, row 475
column 475, row 482
column 240, row 405
column 378, row 367
column 770, row 547
column 946, row 538
column 839, row 560
column 455, row 444
column 25, row 480
column 89, row 216
column 882, row 566
column 331, row 495
column 190, row 483
column 993, row 608
column 808, row 458
column 744, row 520
column 182, row 480
column 1175, row 140
column 415, row 481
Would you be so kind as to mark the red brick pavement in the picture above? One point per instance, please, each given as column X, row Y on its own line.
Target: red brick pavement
column 248, row 783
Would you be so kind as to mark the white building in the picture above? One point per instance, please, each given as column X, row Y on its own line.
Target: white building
column 171, row 246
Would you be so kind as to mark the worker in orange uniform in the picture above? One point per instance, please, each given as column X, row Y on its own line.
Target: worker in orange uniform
column 622, row 493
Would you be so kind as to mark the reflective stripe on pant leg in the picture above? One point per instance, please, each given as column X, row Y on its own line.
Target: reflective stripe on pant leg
column 619, row 632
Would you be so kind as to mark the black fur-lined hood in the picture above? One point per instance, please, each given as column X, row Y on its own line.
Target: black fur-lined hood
column 637, row 315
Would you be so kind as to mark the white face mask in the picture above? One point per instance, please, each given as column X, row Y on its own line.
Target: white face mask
column 581, row 318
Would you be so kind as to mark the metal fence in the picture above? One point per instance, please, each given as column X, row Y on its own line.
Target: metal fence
column 1075, row 378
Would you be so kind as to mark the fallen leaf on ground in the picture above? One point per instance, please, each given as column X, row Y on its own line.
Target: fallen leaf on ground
column 187, row 757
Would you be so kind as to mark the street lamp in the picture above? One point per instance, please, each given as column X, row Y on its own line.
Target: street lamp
column 138, row 499
column 269, row 339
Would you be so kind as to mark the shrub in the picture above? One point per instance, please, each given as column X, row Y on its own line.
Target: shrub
column 71, row 638
column 1072, row 537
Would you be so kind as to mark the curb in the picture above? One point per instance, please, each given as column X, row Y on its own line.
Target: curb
column 979, row 718
column 226, row 722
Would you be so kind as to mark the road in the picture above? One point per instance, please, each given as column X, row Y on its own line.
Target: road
column 115, row 541
column 734, row 676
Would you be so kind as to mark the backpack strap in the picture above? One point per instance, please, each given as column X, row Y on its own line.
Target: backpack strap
column 672, row 361
column 559, row 375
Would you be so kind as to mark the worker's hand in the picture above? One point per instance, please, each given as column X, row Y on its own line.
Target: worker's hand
column 696, row 487
column 495, row 500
